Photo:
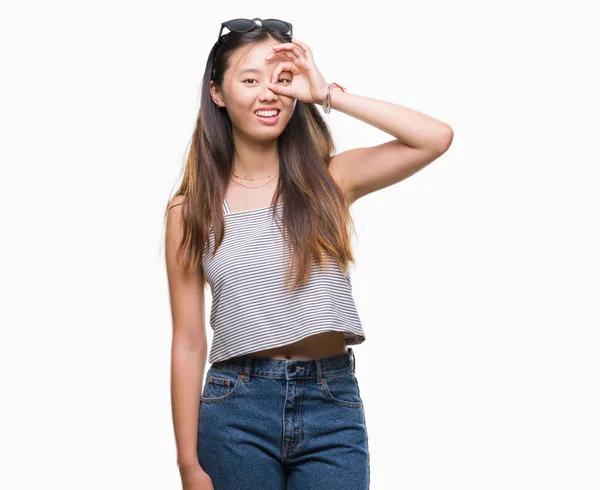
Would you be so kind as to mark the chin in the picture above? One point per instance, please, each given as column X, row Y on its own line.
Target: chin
column 266, row 135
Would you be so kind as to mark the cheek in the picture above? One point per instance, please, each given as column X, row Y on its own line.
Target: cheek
column 240, row 108
column 290, row 111
column 245, row 101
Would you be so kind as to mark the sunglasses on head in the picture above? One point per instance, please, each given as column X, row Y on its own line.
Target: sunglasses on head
column 247, row 25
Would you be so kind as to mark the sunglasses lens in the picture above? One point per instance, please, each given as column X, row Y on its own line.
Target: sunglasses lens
column 276, row 25
column 240, row 25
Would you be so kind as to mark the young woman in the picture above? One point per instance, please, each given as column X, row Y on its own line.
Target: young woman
column 262, row 216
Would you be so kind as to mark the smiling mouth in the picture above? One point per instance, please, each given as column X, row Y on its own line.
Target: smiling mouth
column 268, row 120
column 270, row 114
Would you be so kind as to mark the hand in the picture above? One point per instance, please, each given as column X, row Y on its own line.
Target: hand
column 193, row 477
column 308, row 85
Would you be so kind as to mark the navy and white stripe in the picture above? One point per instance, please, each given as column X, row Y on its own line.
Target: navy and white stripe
column 251, row 307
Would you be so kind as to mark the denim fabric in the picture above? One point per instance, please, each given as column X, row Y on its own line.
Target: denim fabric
column 275, row 424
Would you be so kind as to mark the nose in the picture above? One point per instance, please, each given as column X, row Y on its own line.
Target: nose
column 267, row 94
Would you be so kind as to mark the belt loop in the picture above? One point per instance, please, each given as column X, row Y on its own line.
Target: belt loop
column 319, row 371
column 247, row 368
column 352, row 359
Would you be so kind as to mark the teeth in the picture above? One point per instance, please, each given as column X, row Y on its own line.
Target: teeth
column 267, row 113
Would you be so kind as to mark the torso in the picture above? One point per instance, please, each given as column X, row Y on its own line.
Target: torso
column 318, row 346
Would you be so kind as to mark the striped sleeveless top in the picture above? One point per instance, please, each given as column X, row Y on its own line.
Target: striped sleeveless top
column 252, row 309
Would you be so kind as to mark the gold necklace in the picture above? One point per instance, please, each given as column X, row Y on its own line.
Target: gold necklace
column 252, row 179
column 245, row 178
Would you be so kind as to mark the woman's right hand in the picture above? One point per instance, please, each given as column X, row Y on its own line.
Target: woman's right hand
column 193, row 477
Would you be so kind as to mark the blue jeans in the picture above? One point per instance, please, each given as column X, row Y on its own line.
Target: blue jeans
column 274, row 424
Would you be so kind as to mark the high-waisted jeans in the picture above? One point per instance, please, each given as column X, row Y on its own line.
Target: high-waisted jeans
column 274, row 424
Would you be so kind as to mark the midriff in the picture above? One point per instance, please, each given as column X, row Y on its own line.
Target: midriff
column 317, row 346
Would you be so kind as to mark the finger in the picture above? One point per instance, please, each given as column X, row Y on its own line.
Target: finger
column 305, row 48
column 281, row 66
column 286, row 54
column 298, row 51
column 281, row 89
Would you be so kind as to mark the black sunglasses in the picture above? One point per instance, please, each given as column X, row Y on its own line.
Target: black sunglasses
column 247, row 25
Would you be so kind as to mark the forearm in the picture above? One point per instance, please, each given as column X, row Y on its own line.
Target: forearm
column 411, row 127
column 187, row 373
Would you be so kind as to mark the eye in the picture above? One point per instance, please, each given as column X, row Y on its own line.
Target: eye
column 286, row 76
column 253, row 80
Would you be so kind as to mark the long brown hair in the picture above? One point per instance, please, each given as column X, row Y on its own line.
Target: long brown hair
column 316, row 214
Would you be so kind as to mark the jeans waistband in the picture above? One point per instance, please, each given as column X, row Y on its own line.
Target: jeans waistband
column 289, row 368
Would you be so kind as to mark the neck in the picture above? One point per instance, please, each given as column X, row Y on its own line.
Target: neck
column 255, row 159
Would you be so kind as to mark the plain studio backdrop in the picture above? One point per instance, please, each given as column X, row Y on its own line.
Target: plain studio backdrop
column 477, row 279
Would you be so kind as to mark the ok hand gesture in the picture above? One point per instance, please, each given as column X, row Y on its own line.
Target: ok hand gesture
column 308, row 85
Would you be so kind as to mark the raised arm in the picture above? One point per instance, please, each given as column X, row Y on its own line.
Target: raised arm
column 189, row 346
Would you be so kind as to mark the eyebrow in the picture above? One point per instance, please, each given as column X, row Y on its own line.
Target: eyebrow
column 249, row 70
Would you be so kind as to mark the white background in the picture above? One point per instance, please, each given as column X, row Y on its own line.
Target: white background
column 477, row 279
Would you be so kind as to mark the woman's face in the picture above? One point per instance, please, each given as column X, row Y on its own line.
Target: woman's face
column 245, row 90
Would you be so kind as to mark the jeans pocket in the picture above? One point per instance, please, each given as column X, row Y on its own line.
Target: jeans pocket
column 220, row 385
column 342, row 389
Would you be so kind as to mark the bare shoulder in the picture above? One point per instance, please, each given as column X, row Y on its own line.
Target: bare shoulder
column 176, row 201
column 174, row 224
column 337, row 175
column 174, row 228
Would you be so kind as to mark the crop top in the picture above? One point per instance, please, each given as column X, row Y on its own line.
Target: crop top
column 252, row 309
